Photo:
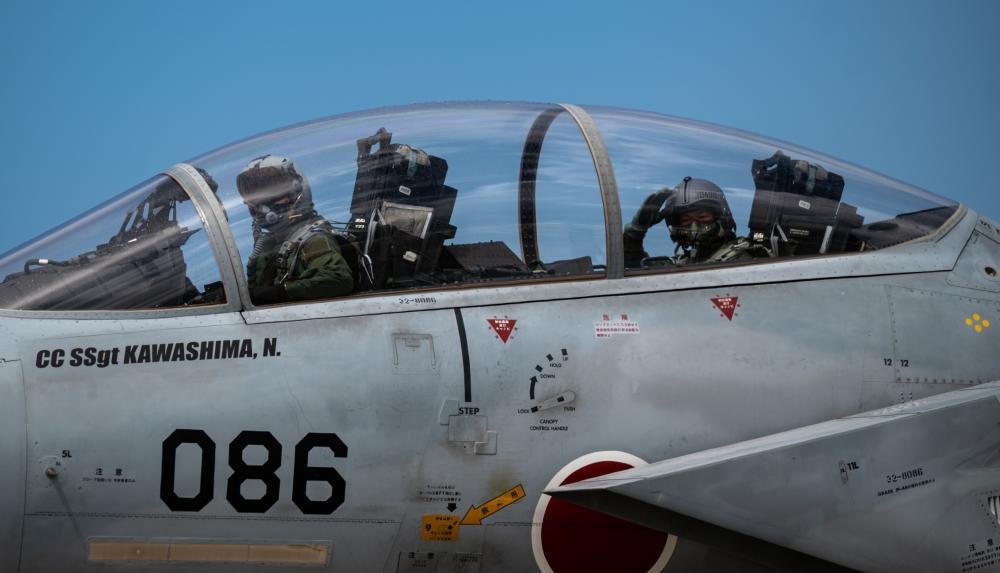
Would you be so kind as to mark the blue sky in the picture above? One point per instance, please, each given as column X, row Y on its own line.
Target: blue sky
column 98, row 96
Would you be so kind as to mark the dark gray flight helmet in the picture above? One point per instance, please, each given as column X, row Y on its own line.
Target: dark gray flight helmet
column 695, row 194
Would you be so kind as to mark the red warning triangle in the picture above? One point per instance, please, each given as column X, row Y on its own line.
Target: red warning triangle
column 502, row 326
column 726, row 305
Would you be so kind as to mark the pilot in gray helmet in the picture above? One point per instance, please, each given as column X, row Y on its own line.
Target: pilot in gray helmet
column 700, row 223
column 295, row 255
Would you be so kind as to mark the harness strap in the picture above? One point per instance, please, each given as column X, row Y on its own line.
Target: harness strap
column 288, row 253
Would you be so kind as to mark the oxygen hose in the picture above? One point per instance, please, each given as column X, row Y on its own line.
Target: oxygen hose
column 42, row 263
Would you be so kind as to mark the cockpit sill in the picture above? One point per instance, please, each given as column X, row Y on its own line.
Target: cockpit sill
column 936, row 252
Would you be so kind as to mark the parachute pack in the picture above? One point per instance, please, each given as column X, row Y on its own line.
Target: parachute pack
column 797, row 207
column 401, row 209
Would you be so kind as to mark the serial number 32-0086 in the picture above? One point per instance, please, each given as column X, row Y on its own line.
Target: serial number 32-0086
column 265, row 473
column 909, row 474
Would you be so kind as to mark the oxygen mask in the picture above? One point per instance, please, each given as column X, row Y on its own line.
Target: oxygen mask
column 697, row 234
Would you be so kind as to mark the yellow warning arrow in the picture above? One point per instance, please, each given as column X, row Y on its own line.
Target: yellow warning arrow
column 477, row 513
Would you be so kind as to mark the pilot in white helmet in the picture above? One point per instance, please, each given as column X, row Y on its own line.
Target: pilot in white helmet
column 295, row 255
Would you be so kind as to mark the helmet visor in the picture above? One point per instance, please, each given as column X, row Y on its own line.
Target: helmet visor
column 266, row 185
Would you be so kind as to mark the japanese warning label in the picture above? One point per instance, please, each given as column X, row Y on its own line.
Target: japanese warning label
column 439, row 527
column 982, row 555
column 503, row 327
column 727, row 305
column 477, row 513
column 612, row 326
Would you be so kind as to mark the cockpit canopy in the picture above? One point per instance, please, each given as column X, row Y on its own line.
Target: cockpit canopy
column 455, row 195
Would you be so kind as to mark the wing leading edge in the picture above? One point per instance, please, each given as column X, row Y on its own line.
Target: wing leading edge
column 912, row 486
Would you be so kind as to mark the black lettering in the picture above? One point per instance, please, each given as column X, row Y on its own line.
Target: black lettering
column 114, row 356
column 161, row 352
column 246, row 348
column 192, row 351
column 243, row 472
column 270, row 346
column 42, row 359
column 58, row 356
column 130, row 354
column 178, row 353
column 168, row 470
column 75, row 357
column 205, row 352
column 144, row 354
column 230, row 349
column 304, row 473
column 103, row 358
column 218, row 348
column 90, row 357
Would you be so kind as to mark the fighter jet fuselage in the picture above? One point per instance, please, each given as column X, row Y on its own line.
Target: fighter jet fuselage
column 164, row 403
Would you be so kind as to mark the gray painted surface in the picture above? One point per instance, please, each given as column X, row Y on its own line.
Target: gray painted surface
column 796, row 353
column 439, row 413
column 858, row 491
column 12, row 470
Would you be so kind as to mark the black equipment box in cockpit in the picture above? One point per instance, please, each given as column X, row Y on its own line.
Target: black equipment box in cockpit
column 797, row 207
column 400, row 173
column 389, row 179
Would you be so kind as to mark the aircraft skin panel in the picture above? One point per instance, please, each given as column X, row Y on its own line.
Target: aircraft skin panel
column 296, row 381
column 913, row 309
column 872, row 482
column 414, row 442
column 415, row 425
column 415, row 445
column 12, row 452
column 981, row 253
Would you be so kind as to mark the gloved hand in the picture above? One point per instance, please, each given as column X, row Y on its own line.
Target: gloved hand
column 649, row 213
column 269, row 295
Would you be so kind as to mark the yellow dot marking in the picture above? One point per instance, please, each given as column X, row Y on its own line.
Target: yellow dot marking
column 986, row 324
column 975, row 316
column 978, row 328
column 968, row 322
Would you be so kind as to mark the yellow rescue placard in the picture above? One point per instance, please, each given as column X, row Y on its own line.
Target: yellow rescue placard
column 477, row 513
column 439, row 527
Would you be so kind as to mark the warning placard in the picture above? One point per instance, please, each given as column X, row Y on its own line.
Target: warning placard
column 503, row 327
column 615, row 325
column 727, row 305
column 439, row 527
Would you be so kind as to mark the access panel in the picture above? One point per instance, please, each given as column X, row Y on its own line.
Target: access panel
column 12, row 469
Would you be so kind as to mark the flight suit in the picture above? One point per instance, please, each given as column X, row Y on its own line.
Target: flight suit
column 317, row 270
column 738, row 249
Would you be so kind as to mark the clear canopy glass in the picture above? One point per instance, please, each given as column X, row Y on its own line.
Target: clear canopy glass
column 785, row 200
column 456, row 223
column 141, row 250
column 452, row 195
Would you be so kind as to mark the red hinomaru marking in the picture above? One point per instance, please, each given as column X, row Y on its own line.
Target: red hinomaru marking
column 502, row 326
column 726, row 305
column 579, row 540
